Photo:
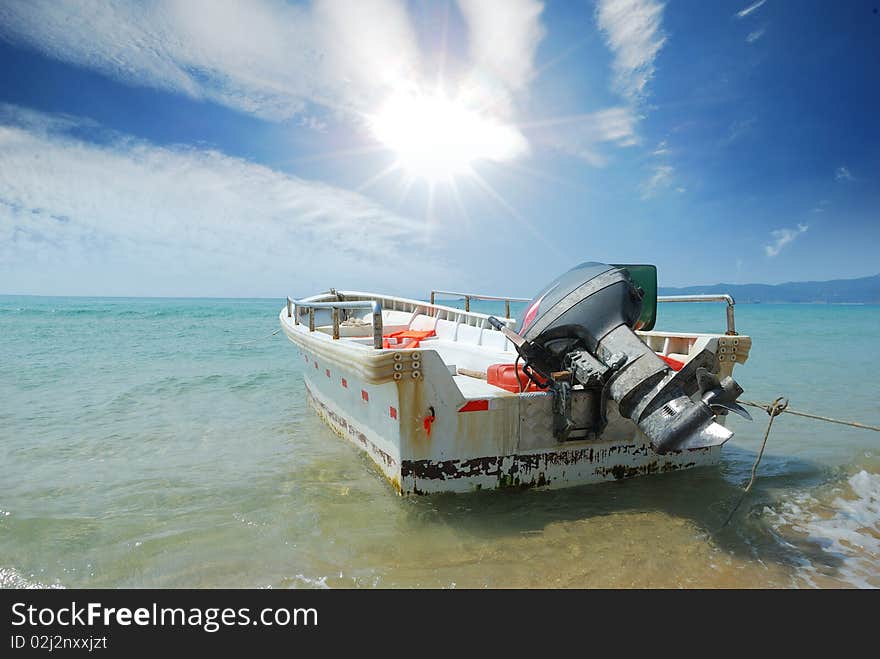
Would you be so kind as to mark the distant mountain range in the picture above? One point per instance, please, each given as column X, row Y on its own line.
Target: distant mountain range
column 863, row 290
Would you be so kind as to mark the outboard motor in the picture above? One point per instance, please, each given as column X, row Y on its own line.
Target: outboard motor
column 577, row 334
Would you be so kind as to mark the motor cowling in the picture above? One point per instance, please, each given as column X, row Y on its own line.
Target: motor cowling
column 580, row 330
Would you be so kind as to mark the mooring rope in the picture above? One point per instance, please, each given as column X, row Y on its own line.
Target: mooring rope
column 241, row 343
column 854, row 424
column 774, row 409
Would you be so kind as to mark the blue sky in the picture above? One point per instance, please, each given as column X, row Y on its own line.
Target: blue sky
column 266, row 148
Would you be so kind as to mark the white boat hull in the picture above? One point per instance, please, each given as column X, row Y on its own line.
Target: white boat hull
column 579, row 463
column 430, row 431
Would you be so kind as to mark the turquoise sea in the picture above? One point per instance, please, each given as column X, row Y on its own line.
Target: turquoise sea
column 168, row 443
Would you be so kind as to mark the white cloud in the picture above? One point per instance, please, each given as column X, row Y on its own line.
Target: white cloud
column 313, row 123
column 843, row 174
column 633, row 31
column 369, row 46
column 821, row 206
column 739, row 129
column 662, row 149
column 503, row 38
column 185, row 220
column 751, row 8
column 264, row 57
column 583, row 135
column 755, row 35
column 782, row 237
column 275, row 60
column 660, row 179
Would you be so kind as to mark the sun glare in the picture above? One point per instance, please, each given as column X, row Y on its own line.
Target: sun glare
column 436, row 138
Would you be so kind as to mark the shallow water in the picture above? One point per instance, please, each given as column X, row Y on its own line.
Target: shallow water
column 168, row 443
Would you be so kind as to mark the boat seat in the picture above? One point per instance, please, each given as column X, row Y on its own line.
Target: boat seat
column 422, row 322
column 405, row 338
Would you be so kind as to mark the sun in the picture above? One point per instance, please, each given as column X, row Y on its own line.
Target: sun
column 438, row 139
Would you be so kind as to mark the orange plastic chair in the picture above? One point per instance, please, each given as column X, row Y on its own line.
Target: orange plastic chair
column 406, row 338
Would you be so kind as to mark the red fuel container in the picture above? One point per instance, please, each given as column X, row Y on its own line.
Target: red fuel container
column 504, row 376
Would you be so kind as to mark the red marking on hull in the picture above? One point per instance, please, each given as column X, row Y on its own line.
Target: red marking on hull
column 475, row 406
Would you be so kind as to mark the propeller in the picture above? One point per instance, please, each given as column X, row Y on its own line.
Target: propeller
column 720, row 395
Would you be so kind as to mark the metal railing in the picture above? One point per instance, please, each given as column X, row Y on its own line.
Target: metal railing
column 294, row 308
column 731, row 325
column 375, row 307
column 474, row 296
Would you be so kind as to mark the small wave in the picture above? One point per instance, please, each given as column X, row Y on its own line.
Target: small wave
column 170, row 385
column 9, row 578
column 74, row 311
column 842, row 522
column 318, row 582
column 25, row 311
column 256, row 380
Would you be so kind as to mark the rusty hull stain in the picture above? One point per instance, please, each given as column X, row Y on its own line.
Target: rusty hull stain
column 628, row 471
column 412, row 405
